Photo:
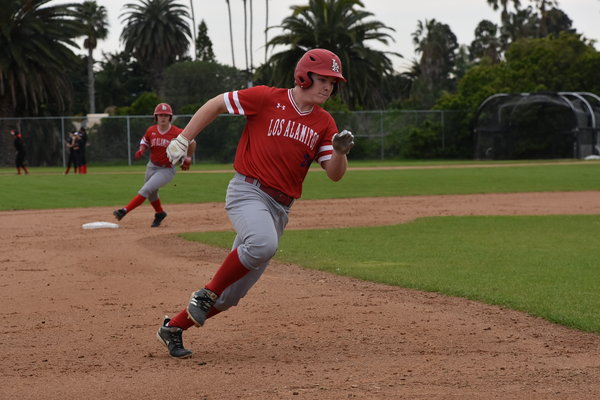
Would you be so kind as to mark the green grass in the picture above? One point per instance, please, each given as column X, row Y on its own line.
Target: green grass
column 544, row 265
column 111, row 186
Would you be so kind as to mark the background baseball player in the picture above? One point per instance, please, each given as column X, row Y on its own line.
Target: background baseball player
column 159, row 170
column 286, row 129
column 83, row 138
column 20, row 156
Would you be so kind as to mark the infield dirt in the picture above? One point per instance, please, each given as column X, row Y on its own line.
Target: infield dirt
column 80, row 310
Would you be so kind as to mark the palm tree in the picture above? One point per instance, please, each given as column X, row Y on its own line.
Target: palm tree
column 36, row 45
column 230, row 33
column 157, row 33
column 193, row 27
column 437, row 45
column 94, row 18
column 251, row 41
column 336, row 25
column 246, row 37
column 266, row 26
column 248, row 48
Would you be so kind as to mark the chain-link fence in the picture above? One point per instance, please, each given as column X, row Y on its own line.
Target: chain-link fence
column 379, row 135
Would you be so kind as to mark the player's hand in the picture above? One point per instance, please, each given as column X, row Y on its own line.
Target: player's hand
column 138, row 154
column 177, row 149
column 343, row 142
column 185, row 164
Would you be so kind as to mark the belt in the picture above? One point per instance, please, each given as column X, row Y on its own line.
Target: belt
column 277, row 195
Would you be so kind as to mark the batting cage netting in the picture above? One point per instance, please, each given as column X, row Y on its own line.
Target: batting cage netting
column 538, row 126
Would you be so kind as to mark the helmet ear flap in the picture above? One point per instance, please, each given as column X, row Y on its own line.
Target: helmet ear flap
column 307, row 81
column 303, row 80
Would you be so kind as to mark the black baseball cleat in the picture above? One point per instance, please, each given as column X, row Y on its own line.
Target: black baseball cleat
column 200, row 304
column 158, row 217
column 120, row 213
column 171, row 337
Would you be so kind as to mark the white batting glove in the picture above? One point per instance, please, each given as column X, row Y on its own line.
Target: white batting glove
column 343, row 141
column 177, row 149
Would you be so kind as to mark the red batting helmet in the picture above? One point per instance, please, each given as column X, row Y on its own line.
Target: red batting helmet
column 318, row 61
column 163, row 108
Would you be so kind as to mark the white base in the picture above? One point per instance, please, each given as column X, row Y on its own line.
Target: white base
column 99, row 225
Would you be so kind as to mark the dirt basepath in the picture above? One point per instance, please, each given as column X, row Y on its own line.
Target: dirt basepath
column 80, row 309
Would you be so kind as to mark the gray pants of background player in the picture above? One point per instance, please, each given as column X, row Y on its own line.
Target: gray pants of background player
column 259, row 222
column 156, row 177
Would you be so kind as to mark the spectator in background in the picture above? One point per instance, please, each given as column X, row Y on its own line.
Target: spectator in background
column 74, row 153
column 20, row 157
column 82, row 145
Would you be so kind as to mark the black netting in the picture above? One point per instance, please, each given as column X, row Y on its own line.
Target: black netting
column 537, row 126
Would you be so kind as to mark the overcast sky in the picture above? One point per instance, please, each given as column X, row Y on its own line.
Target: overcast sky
column 461, row 15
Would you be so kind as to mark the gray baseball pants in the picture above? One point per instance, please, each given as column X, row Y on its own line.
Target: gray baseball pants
column 259, row 222
column 156, row 177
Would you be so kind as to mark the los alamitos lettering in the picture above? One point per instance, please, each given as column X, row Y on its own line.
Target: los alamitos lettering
column 293, row 130
column 160, row 142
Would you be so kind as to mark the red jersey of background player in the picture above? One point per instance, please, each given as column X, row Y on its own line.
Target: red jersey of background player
column 279, row 141
column 157, row 142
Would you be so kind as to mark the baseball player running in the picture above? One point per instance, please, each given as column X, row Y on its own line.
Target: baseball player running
column 286, row 130
column 159, row 170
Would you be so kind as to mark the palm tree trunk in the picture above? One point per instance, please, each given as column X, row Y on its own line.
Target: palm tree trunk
column 230, row 33
column 251, row 47
column 245, row 35
column 266, row 27
column 193, row 29
column 91, row 91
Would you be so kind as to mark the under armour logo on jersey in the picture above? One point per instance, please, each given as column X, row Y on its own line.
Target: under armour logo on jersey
column 279, row 105
column 335, row 67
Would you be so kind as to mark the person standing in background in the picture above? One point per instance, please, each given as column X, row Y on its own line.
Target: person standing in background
column 20, row 156
column 159, row 170
column 74, row 153
column 71, row 158
column 83, row 137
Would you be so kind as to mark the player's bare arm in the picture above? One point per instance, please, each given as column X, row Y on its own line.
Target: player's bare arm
column 336, row 166
column 191, row 149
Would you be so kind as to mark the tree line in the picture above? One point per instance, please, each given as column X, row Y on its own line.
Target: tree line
column 41, row 73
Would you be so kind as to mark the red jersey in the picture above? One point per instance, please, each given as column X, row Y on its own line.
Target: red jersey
column 158, row 142
column 279, row 142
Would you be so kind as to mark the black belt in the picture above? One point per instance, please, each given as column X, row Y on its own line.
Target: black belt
column 277, row 195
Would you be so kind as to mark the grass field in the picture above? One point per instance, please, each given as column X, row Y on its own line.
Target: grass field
column 545, row 266
column 111, row 186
